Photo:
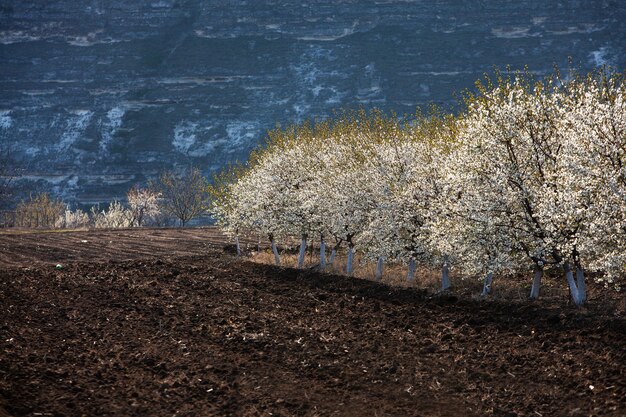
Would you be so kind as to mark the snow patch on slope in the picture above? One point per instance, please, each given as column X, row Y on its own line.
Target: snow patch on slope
column 77, row 122
column 184, row 136
column 5, row 119
column 601, row 57
column 111, row 126
column 241, row 133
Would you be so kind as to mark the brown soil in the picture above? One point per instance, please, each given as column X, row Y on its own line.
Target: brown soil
column 23, row 247
column 207, row 334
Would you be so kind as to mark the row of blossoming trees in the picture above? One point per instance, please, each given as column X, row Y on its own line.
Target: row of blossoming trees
column 529, row 174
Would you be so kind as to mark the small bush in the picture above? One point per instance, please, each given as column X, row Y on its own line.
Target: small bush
column 40, row 211
column 116, row 216
column 73, row 219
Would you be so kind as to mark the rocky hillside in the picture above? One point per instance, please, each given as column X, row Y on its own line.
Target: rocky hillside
column 97, row 95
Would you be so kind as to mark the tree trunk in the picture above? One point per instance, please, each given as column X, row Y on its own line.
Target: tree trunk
column 275, row 251
column 237, row 245
column 411, row 274
column 487, row 284
column 569, row 275
column 445, row 279
column 534, row 290
column 350, row 259
column 580, row 283
column 333, row 253
column 302, row 252
column 379, row 268
column 322, row 254
column 331, row 259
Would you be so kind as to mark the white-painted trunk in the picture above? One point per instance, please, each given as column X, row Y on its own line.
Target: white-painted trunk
column 237, row 245
column 275, row 251
column 331, row 260
column 534, row 290
column 487, row 284
column 322, row 254
column 569, row 275
column 411, row 274
column 379, row 268
column 580, row 283
column 302, row 252
column 350, row 259
column 445, row 279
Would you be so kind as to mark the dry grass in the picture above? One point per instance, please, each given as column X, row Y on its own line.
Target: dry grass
column 509, row 288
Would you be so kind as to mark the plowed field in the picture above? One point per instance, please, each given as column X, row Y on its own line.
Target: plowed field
column 164, row 322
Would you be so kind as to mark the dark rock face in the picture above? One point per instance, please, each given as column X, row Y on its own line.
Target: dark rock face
column 98, row 95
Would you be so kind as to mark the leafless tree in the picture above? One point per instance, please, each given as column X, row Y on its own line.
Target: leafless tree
column 40, row 210
column 184, row 196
